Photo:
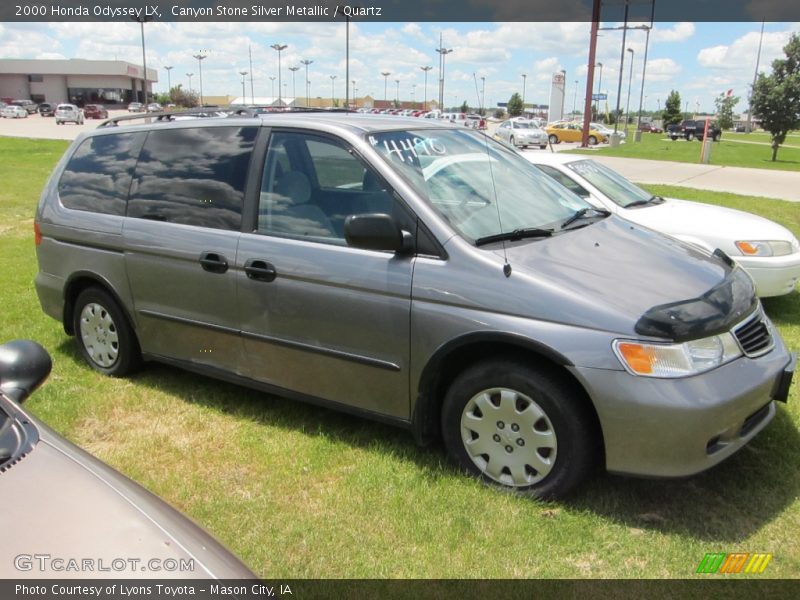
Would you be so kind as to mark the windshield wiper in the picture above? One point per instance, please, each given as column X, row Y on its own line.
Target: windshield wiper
column 584, row 213
column 650, row 200
column 512, row 236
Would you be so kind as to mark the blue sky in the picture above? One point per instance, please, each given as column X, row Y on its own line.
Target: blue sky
column 700, row 60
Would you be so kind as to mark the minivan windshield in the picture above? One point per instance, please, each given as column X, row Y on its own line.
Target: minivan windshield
column 480, row 187
column 618, row 189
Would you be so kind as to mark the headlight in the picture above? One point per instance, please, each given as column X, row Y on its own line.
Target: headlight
column 764, row 248
column 676, row 360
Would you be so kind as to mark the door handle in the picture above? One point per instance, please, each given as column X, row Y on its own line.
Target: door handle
column 213, row 262
column 260, row 270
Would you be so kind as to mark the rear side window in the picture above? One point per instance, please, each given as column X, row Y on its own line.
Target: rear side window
column 98, row 175
column 193, row 176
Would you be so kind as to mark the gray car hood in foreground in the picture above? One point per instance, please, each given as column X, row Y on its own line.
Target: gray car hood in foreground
column 608, row 274
column 61, row 503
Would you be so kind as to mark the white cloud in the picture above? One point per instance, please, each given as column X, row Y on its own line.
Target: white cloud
column 680, row 32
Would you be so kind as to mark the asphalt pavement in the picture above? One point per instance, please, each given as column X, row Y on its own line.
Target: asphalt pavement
column 784, row 185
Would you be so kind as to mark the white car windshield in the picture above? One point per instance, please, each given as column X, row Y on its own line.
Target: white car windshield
column 618, row 189
column 481, row 188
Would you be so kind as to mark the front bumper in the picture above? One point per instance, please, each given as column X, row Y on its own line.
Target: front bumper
column 679, row 427
column 773, row 275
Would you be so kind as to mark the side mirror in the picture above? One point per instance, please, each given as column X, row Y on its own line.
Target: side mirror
column 24, row 365
column 376, row 231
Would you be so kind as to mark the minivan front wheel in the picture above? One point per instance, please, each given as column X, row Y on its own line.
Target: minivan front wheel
column 518, row 426
column 105, row 338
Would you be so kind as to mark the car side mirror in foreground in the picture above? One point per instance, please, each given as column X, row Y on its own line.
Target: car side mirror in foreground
column 24, row 365
column 376, row 232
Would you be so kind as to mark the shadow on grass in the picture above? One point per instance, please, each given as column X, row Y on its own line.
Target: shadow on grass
column 726, row 504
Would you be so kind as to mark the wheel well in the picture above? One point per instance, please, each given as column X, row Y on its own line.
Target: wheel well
column 74, row 289
column 427, row 412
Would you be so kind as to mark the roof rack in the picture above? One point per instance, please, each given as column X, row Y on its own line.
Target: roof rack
column 164, row 116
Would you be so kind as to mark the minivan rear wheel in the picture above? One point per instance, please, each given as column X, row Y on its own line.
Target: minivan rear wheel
column 519, row 426
column 105, row 338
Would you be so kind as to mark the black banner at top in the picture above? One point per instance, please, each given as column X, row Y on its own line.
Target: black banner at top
column 397, row 10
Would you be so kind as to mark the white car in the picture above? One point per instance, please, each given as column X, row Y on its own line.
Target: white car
column 769, row 252
column 12, row 111
column 68, row 113
column 605, row 129
column 521, row 133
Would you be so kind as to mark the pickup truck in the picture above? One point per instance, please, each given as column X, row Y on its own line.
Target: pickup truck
column 694, row 129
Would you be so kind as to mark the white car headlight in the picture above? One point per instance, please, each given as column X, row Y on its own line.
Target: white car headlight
column 764, row 247
column 676, row 360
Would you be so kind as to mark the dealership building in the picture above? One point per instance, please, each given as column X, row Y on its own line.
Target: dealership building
column 75, row 80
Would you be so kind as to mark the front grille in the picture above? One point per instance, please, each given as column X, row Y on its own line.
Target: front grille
column 754, row 336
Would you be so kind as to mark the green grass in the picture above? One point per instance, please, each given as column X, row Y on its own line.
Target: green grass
column 303, row 492
column 727, row 152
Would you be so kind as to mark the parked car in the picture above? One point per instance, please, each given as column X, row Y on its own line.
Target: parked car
column 417, row 273
column 135, row 107
column 606, row 130
column 650, row 128
column 573, row 132
column 740, row 128
column 154, row 107
column 476, row 122
column 695, row 129
column 29, row 105
column 13, row 111
column 100, row 515
column 95, row 111
column 68, row 113
column 521, row 134
column 46, row 109
column 769, row 252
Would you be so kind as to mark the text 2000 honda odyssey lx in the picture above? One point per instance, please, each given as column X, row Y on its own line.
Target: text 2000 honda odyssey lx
column 425, row 276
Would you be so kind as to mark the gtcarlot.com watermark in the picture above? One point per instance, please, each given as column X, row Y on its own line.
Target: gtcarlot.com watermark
column 47, row 563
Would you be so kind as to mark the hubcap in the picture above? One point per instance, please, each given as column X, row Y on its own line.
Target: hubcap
column 509, row 437
column 99, row 334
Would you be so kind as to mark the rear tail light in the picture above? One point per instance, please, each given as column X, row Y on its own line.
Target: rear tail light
column 37, row 234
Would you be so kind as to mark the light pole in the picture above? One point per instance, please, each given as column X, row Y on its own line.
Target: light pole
column 443, row 52
column 599, row 88
column 272, row 88
column 397, row 95
column 621, row 68
column 306, row 63
column 563, row 91
column 628, row 101
column 355, row 102
column 279, row 48
column 169, row 81
column 483, row 94
column 190, row 75
column 425, row 70
column 385, row 84
column 141, row 20
column 294, row 87
column 243, row 73
column 200, row 56
column 574, row 99
column 333, row 90
column 524, row 81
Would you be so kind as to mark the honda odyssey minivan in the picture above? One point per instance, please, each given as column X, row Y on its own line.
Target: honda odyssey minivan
column 415, row 273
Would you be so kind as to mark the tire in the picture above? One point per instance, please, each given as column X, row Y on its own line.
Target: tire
column 690, row 136
column 592, row 140
column 511, row 141
column 105, row 338
column 543, row 147
column 519, row 426
column 553, row 138
column 717, row 136
column 674, row 138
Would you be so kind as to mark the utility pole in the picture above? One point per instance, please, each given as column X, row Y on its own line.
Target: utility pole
column 425, row 70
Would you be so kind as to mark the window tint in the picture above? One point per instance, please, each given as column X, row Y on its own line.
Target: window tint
column 312, row 184
column 193, row 176
column 98, row 175
column 565, row 180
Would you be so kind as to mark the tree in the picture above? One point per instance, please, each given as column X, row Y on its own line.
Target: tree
column 515, row 106
column 465, row 107
column 183, row 98
column 725, row 104
column 776, row 97
column 672, row 109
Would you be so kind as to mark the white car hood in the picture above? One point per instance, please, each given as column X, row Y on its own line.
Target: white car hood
column 707, row 225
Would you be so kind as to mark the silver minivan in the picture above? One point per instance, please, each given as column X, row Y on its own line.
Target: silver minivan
column 415, row 273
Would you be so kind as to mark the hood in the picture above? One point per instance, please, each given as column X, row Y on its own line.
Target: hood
column 611, row 273
column 708, row 225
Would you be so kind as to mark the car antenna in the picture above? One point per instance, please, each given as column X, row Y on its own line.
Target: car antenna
column 506, row 265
